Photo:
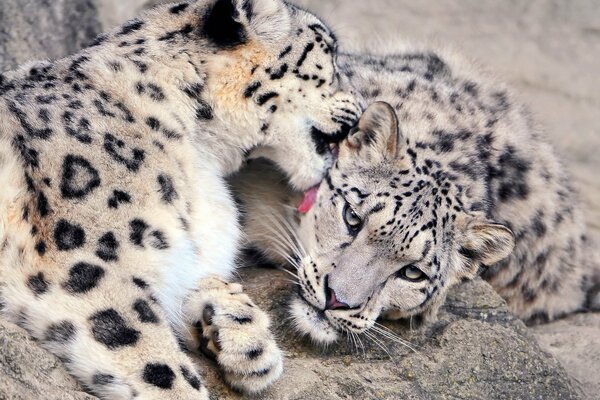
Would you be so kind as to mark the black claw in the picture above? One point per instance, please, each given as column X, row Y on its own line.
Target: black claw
column 207, row 314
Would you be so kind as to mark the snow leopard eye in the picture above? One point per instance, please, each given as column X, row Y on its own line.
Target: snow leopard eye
column 352, row 220
column 411, row 274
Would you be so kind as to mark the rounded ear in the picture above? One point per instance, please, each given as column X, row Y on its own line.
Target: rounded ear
column 377, row 135
column 485, row 244
column 229, row 23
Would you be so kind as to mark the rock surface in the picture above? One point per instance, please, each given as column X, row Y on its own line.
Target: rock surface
column 37, row 29
column 476, row 350
column 28, row 372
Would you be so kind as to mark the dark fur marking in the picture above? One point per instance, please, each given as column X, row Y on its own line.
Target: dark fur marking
column 100, row 379
column 83, row 277
column 158, row 240
column 166, row 188
column 309, row 47
column 114, row 147
column 109, row 328
column 204, row 111
column 131, row 26
column 144, row 312
column 159, row 375
column 254, row 354
column 251, row 89
column 68, row 236
column 60, row 332
column 142, row 284
column 79, row 178
column 117, row 198
column 178, row 8
column 137, row 230
column 190, row 377
column 221, row 27
column 38, row 283
column 263, row 98
column 108, row 247
column 42, row 205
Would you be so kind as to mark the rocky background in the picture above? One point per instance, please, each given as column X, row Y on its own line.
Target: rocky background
column 549, row 51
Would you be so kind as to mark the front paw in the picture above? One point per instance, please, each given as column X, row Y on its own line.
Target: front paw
column 235, row 332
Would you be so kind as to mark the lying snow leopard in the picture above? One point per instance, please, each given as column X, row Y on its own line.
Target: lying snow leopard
column 450, row 181
column 117, row 229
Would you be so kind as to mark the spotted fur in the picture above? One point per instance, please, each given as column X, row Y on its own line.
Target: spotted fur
column 114, row 212
column 449, row 181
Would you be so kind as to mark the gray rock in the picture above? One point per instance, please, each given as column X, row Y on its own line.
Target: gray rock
column 38, row 29
column 476, row 350
column 28, row 372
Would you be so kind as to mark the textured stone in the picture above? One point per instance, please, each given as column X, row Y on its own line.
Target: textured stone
column 38, row 29
column 29, row 372
column 476, row 350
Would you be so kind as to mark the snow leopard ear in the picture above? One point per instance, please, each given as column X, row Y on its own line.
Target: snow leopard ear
column 484, row 243
column 377, row 135
column 230, row 23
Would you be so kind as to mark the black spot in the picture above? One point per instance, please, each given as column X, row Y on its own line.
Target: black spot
column 285, row 52
column 241, row 320
column 79, row 178
column 221, row 27
column 137, row 229
column 166, row 188
column 153, row 123
column 539, row 227
column 43, row 133
column 83, row 277
column 109, row 328
column 204, row 111
column 40, row 247
column 190, row 377
column 253, row 87
column 309, row 47
column 100, row 379
column 116, row 149
column 139, row 283
column 160, row 375
column 28, row 155
column 99, row 40
column 131, row 26
column 178, row 8
column 38, row 283
column 108, row 247
column 158, row 240
column 117, row 198
column 263, row 98
column 80, row 131
column 60, row 332
column 183, row 32
column 511, row 174
column 144, row 312
column 280, row 73
column 42, row 205
column 254, row 354
column 68, row 236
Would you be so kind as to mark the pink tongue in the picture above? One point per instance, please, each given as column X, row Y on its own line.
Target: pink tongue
column 310, row 196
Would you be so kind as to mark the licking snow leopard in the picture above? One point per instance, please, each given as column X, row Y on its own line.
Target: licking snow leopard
column 451, row 181
column 117, row 229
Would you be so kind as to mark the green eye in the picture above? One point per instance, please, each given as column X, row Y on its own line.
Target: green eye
column 352, row 220
column 411, row 274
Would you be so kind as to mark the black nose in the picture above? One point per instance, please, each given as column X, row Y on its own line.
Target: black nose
column 331, row 301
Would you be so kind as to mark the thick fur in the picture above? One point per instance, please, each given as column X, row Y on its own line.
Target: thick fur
column 114, row 211
column 447, row 180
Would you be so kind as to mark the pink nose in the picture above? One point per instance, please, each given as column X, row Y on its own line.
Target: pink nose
column 332, row 301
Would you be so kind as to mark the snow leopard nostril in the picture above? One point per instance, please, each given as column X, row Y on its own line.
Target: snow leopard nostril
column 331, row 301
